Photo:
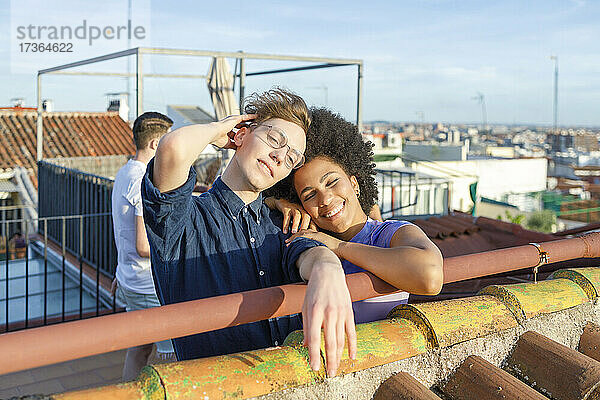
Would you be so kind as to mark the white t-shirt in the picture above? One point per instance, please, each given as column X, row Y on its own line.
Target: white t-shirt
column 133, row 271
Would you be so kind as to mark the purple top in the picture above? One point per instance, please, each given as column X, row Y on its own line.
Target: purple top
column 379, row 234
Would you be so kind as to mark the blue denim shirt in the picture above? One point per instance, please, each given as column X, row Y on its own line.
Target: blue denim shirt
column 214, row 244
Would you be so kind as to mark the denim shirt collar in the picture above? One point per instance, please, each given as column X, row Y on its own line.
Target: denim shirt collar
column 232, row 202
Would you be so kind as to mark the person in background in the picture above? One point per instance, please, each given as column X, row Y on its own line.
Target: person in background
column 336, row 191
column 133, row 283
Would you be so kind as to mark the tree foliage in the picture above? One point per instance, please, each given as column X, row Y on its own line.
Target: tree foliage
column 541, row 221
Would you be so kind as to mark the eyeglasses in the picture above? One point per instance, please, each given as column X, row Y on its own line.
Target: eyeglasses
column 277, row 139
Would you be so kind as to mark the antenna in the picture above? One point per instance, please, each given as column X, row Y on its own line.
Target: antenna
column 421, row 116
column 555, row 104
column 481, row 99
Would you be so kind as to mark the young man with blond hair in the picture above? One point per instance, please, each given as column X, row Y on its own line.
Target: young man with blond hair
column 133, row 279
column 225, row 240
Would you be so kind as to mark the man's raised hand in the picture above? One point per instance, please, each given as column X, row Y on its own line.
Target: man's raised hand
column 224, row 135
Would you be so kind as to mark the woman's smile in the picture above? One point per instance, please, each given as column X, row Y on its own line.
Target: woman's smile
column 329, row 196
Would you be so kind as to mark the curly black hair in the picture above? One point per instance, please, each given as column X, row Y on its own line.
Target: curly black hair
column 333, row 137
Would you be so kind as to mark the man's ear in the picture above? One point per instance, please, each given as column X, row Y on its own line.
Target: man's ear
column 238, row 138
column 153, row 144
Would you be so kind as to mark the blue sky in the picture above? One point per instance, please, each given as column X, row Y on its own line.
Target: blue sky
column 429, row 56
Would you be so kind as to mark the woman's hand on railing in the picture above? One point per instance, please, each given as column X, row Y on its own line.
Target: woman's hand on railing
column 294, row 215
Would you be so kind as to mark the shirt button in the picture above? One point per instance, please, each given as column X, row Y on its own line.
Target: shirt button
column 245, row 210
column 261, row 273
column 234, row 218
column 252, row 240
column 276, row 343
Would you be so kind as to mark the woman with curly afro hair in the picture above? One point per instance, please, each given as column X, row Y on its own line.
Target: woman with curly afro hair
column 336, row 191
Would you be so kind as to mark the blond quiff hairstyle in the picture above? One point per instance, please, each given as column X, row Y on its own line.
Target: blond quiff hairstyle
column 278, row 103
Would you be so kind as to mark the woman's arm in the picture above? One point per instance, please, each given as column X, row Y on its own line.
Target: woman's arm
column 412, row 263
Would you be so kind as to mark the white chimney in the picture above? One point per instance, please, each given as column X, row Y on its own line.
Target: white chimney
column 119, row 102
column 48, row 105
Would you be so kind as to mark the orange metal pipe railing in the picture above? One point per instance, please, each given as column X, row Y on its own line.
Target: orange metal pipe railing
column 514, row 258
column 67, row 341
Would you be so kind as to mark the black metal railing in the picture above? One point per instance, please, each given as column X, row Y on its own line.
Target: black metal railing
column 8, row 211
column 41, row 284
column 64, row 192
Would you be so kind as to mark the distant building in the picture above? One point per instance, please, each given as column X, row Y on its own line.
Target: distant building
column 500, row 151
column 585, row 142
column 188, row 115
column 497, row 179
column 579, row 140
column 392, row 140
column 375, row 138
column 436, row 151
column 183, row 115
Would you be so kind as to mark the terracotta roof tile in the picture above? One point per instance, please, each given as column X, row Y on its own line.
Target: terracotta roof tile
column 460, row 233
column 66, row 134
column 457, row 246
column 457, row 225
column 475, row 235
column 432, row 230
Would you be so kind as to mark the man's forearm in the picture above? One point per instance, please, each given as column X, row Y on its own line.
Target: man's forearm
column 320, row 256
column 177, row 151
column 142, row 245
column 189, row 141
